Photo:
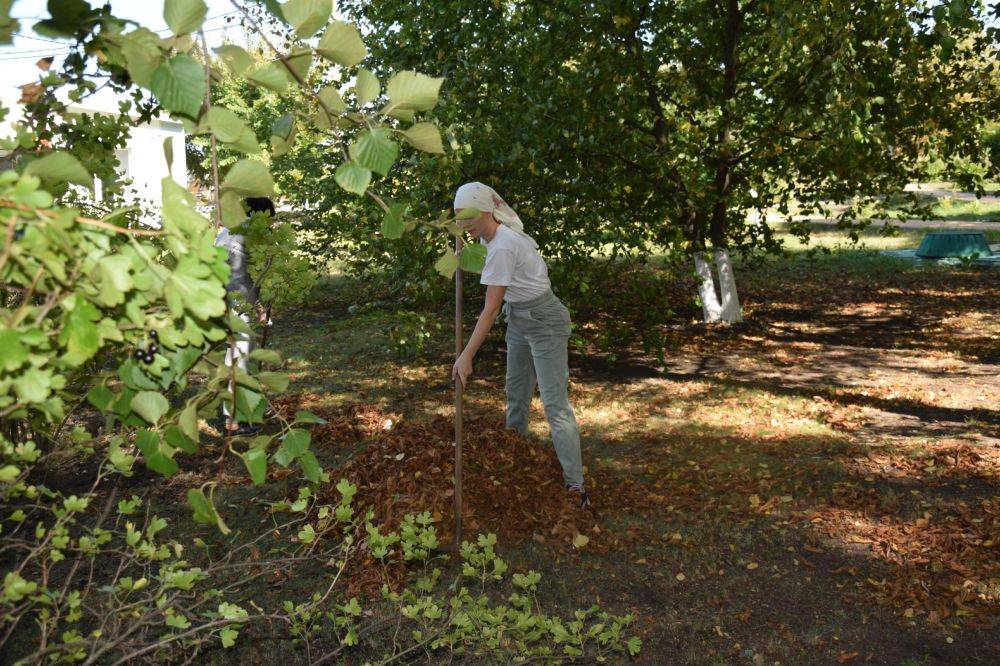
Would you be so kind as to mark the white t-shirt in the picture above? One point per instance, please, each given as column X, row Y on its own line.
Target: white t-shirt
column 513, row 261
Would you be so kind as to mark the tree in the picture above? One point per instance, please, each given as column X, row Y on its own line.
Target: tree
column 666, row 123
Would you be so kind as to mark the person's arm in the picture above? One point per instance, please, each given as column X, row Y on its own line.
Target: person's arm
column 494, row 301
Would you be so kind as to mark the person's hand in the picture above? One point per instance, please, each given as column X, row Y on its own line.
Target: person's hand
column 462, row 369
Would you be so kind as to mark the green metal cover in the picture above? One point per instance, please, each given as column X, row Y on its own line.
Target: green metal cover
column 939, row 245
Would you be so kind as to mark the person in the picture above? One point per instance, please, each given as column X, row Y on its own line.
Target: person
column 538, row 327
column 241, row 283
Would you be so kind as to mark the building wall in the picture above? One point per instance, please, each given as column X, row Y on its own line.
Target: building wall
column 142, row 160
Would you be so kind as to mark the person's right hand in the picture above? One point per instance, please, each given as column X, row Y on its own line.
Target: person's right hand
column 462, row 369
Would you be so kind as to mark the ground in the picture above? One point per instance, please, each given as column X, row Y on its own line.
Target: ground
column 816, row 485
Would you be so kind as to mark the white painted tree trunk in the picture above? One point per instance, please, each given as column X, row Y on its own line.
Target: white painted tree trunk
column 710, row 306
column 731, row 311
column 714, row 310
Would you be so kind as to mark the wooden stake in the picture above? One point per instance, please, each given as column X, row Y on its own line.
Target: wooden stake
column 458, row 401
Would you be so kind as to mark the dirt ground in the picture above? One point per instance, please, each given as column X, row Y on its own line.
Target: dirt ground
column 816, row 485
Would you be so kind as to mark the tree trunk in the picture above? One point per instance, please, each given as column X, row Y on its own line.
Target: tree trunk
column 731, row 311
column 723, row 180
column 710, row 306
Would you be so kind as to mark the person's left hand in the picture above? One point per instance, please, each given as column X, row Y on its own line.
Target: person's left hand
column 462, row 369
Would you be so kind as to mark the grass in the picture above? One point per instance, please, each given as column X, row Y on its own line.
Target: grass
column 947, row 208
column 873, row 239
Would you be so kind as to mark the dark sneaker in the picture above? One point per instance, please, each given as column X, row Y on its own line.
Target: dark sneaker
column 581, row 499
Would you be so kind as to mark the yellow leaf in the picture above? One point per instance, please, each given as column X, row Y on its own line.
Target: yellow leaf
column 580, row 540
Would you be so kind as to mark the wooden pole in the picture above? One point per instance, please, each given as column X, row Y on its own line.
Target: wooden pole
column 458, row 401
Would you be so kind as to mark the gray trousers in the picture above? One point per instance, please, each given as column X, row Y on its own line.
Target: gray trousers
column 238, row 354
column 537, row 336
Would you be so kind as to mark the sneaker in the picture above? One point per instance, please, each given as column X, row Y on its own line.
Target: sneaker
column 584, row 499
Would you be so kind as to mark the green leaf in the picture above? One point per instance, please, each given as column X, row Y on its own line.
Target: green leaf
column 66, row 18
column 228, row 637
column 353, row 177
column 81, row 334
column 12, row 353
column 194, row 288
column 392, row 224
column 473, row 257
column 179, row 85
column 333, row 99
column 33, row 385
column 101, row 397
column 307, row 534
column 150, row 405
column 276, row 382
column 176, row 438
column 266, row 356
column 177, row 621
column 310, row 466
column 342, row 44
column 115, row 278
column 188, row 421
column 8, row 24
column 184, row 16
column 283, row 125
column 425, row 137
column 148, row 442
column 307, row 16
column 446, row 264
column 374, row 150
column 247, row 143
column 60, row 167
column 282, row 134
column 249, row 178
column 179, row 213
column 411, row 91
column 300, row 61
column 272, row 76
column 141, row 49
column 184, row 359
column 161, row 463
column 303, row 416
column 367, row 87
column 256, row 462
column 204, row 510
column 236, row 58
column 224, row 124
column 233, row 214
column 296, row 443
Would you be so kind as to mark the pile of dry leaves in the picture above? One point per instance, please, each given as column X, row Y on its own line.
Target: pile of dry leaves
column 512, row 485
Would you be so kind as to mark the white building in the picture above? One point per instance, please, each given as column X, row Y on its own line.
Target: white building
column 142, row 163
